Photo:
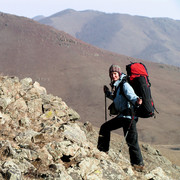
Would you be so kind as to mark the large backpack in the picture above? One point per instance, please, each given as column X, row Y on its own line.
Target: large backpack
column 138, row 78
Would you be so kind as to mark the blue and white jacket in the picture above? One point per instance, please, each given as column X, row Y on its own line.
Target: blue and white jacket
column 121, row 102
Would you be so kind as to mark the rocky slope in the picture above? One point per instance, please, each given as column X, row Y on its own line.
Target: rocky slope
column 41, row 138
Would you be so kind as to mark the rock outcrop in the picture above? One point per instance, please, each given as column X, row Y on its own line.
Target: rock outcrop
column 41, row 138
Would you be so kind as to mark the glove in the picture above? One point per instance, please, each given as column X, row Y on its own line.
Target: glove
column 106, row 91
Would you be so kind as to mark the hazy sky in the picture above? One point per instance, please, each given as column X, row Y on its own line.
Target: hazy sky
column 149, row 8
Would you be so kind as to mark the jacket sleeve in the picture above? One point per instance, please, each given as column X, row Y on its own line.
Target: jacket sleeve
column 129, row 93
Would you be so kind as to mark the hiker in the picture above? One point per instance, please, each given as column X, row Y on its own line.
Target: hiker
column 124, row 117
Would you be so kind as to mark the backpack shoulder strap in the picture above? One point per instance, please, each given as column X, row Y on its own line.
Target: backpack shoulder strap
column 124, row 80
column 121, row 85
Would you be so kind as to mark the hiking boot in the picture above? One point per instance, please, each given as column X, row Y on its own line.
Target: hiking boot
column 106, row 152
column 138, row 168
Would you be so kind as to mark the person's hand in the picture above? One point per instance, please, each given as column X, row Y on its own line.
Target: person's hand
column 139, row 101
column 106, row 89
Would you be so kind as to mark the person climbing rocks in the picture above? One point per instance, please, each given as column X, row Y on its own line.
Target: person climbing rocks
column 124, row 100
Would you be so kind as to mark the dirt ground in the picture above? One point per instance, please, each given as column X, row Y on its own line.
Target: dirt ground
column 171, row 152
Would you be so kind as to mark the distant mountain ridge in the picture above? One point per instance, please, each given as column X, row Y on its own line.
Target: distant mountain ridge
column 38, row 18
column 153, row 39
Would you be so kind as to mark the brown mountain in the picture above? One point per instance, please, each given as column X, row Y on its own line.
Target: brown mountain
column 154, row 39
column 76, row 72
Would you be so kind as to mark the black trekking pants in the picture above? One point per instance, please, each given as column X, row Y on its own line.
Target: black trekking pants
column 131, row 139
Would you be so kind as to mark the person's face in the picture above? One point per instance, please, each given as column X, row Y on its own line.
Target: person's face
column 114, row 76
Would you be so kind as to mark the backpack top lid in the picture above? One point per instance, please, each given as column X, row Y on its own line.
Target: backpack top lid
column 135, row 70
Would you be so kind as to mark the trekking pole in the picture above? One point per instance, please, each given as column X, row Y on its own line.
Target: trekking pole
column 122, row 143
column 124, row 139
column 105, row 108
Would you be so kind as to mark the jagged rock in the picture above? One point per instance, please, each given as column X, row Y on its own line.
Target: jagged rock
column 74, row 133
column 26, row 137
column 157, row 174
column 89, row 169
column 151, row 150
column 4, row 102
column 129, row 171
column 112, row 171
column 40, row 138
column 73, row 115
column 39, row 90
column 26, row 84
column 88, row 126
column 24, row 122
column 11, row 171
column 6, row 149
